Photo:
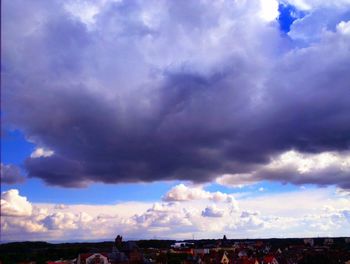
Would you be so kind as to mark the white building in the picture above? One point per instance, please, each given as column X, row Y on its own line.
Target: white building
column 93, row 258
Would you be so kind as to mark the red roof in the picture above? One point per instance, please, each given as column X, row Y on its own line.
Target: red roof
column 269, row 259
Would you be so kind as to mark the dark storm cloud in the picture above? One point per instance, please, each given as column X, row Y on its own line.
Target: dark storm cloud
column 147, row 93
column 11, row 174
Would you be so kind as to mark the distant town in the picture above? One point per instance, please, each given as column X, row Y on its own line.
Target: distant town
column 221, row 251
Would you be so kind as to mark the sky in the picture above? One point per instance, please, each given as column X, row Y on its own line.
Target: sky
column 174, row 119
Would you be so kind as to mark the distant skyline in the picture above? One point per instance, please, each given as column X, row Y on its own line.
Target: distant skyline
column 174, row 119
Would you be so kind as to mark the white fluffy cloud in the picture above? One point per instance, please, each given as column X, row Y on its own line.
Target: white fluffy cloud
column 41, row 152
column 344, row 27
column 182, row 193
column 15, row 228
column 251, row 221
column 269, row 10
column 12, row 204
column 61, row 221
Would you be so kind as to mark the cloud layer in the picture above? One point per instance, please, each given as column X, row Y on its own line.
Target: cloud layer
column 286, row 215
column 132, row 91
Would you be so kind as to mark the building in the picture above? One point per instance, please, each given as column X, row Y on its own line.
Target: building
column 93, row 258
column 309, row 241
column 125, row 252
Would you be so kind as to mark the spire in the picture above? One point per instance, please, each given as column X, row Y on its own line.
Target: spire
column 118, row 242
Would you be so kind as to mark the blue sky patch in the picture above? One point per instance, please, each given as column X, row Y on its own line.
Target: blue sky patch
column 288, row 14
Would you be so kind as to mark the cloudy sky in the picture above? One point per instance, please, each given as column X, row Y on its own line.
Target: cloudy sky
column 175, row 119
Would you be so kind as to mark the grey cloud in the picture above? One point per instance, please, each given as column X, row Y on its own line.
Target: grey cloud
column 246, row 214
column 211, row 211
column 346, row 214
column 132, row 100
column 11, row 174
column 293, row 167
column 61, row 206
column 323, row 177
